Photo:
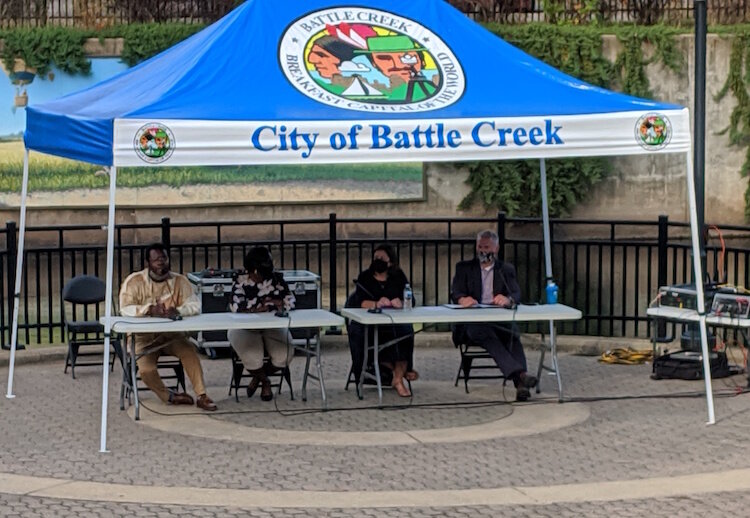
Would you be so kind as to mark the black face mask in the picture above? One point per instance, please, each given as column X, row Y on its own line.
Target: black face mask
column 265, row 270
column 379, row 266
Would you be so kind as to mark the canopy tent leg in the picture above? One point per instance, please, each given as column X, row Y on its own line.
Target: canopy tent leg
column 548, row 270
column 698, row 273
column 19, row 269
column 108, row 305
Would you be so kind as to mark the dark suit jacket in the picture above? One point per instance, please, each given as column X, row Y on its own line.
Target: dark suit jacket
column 468, row 282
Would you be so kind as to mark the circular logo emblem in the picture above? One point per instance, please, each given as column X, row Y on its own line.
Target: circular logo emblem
column 653, row 131
column 370, row 60
column 154, row 143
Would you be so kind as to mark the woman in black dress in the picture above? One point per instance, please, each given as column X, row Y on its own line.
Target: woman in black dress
column 382, row 286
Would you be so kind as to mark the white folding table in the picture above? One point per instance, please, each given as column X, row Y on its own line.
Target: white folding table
column 442, row 314
column 299, row 318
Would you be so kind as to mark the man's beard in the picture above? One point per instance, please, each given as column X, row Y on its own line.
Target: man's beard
column 159, row 276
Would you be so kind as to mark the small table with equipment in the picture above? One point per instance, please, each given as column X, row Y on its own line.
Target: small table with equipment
column 690, row 316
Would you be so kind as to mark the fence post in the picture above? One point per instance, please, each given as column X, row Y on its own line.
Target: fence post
column 501, row 235
column 332, row 245
column 166, row 236
column 12, row 247
column 661, row 274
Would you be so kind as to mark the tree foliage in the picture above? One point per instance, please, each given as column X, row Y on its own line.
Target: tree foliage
column 513, row 186
column 738, row 81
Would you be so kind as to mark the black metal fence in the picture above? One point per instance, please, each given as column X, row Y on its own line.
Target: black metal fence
column 607, row 269
column 101, row 13
column 643, row 12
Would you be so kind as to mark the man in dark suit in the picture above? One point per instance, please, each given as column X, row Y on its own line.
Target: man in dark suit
column 488, row 280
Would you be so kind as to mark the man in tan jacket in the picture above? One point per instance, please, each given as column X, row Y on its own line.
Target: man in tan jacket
column 158, row 292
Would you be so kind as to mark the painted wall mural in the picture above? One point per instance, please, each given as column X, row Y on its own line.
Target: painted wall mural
column 57, row 182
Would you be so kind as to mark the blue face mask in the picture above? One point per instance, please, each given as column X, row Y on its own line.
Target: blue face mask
column 486, row 257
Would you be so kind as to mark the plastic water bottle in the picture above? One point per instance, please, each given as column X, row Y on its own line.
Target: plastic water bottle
column 552, row 293
column 408, row 298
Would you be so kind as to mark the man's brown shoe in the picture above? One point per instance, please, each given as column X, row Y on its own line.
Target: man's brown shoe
column 180, row 398
column 205, row 403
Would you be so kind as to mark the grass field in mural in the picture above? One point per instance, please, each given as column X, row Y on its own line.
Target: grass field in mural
column 58, row 174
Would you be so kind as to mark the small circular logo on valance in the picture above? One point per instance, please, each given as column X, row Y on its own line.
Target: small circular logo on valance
column 154, row 143
column 653, row 131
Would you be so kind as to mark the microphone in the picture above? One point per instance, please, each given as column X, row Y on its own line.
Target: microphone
column 367, row 292
column 499, row 269
column 360, row 286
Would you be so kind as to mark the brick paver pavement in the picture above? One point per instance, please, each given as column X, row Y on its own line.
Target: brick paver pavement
column 51, row 429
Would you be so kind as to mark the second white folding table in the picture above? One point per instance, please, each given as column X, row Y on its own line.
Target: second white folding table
column 442, row 314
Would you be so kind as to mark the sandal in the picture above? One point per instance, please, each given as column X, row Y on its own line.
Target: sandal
column 401, row 388
column 411, row 375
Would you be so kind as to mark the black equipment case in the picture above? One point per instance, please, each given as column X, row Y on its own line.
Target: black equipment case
column 688, row 365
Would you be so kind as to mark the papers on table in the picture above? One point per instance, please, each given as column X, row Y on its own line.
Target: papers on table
column 475, row 306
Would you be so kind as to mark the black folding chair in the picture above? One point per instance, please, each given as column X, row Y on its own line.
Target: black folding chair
column 85, row 290
column 471, row 353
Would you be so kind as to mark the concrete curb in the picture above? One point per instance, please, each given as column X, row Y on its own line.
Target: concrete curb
column 572, row 344
column 38, row 355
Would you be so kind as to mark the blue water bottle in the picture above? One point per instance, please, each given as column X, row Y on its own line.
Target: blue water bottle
column 551, row 293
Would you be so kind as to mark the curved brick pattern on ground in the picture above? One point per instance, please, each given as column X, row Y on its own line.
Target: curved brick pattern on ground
column 52, row 430
column 718, row 504
column 426, row 410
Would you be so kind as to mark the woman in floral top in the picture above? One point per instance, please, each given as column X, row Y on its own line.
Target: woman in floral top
column 260, row 290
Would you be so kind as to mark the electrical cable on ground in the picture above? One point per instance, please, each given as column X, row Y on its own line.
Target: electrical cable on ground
column 464, row 404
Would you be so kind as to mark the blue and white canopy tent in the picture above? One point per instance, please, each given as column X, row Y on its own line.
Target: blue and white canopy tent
column 311, row 81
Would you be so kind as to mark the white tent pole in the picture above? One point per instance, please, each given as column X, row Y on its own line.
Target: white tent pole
column 548, row 268
column 108, row 305
column 545, row 222
column 698, row 272
column 19, row 268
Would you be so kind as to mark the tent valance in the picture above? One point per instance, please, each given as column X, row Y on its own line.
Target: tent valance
column 190, row 142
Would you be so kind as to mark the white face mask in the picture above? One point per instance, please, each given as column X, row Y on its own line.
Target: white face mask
column 486, row 257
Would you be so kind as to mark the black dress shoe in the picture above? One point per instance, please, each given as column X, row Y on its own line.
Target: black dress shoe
column 522, row 394
column 529, row 381
column 266, row 393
